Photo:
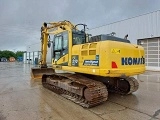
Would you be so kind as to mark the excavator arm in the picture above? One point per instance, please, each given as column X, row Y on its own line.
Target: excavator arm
column 46, row 30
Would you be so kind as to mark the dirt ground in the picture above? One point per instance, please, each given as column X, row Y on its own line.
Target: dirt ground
column 24, row 99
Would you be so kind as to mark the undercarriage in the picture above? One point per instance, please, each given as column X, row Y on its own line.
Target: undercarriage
column 87, row 91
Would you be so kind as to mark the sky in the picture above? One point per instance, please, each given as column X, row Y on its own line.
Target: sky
column 21, row 20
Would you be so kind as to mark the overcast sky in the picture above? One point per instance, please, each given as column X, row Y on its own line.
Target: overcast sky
column 20, row 20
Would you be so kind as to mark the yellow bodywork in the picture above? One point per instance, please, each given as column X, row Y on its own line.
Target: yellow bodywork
column 106, row 52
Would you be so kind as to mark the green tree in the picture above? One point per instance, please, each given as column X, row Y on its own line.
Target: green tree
column 0, row 53
column 7, row 54
column 19, row 54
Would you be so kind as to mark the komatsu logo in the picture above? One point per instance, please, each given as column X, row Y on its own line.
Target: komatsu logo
column 133, row 61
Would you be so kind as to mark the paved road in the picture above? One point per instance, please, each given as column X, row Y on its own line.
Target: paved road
column 24, row 99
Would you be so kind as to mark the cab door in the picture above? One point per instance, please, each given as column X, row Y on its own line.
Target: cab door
column 60, row 48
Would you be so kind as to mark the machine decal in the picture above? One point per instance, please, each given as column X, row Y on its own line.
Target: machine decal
column 75, row 60
column 91, row 62
column 115, row 51
column 133, row 61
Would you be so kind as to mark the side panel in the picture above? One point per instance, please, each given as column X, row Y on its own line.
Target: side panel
column 107, row 58
column 87, row 57
column 121, row 59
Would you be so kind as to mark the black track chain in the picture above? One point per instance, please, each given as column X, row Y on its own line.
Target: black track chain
column 91, row 84
column 133, row 83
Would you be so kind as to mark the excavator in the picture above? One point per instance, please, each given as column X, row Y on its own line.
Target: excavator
column 95, row 65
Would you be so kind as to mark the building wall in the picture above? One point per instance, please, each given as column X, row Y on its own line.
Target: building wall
column 35, row 48
column 140, row 27
column 144, row 27
column 29, row 57
column 152, row 52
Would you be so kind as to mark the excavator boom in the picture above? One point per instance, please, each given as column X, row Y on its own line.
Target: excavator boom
column 37, row 72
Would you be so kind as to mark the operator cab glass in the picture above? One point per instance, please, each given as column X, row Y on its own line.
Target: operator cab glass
column 60, row 46
column 79, row 37
column 60, row 42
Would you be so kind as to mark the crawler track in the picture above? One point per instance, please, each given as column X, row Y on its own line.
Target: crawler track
column 134, row 85
column 77, row 88
column 125, row 86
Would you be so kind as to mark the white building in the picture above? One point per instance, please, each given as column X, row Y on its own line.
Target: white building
column 143, row 28
column 33, row 52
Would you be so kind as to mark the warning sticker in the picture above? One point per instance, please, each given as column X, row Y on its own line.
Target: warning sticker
column 115, row 51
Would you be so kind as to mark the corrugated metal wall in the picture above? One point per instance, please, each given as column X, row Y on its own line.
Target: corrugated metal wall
column 144, row 26
column 140, row 27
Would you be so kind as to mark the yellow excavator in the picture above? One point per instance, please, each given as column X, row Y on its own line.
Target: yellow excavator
column 96, row 65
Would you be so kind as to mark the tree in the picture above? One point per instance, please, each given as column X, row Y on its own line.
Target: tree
column 7, row 54
column 19, row 54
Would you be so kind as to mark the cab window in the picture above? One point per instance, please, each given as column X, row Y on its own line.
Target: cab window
column 78, row 37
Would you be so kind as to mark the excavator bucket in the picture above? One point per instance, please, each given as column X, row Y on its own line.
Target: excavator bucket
column 36, row 73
